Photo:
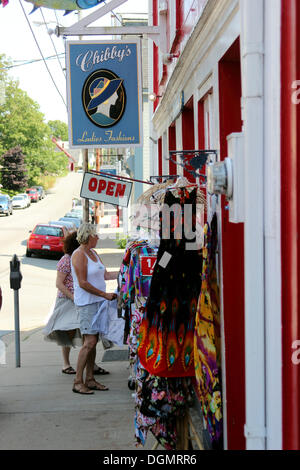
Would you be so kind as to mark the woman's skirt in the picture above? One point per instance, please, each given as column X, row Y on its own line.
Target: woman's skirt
column 63, row 320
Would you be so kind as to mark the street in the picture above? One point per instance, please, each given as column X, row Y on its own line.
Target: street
column 38, row 291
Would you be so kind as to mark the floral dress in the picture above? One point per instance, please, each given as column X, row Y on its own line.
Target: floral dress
column 207, row 340
column 166, row 339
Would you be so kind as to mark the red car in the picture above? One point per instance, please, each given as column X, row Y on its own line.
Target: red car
column 46, row 239
column 33, row 194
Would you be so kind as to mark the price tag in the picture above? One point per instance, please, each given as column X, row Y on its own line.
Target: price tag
column 147, row 265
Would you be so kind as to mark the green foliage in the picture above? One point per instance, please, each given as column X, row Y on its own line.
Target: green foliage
column 22, row 123
column 14, row 171
column 59, row 129
column 121, row 242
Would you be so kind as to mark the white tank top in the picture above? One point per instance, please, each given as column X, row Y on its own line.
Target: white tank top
column 95, row 276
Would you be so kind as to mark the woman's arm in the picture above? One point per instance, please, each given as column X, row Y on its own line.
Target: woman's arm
column 60, row 277
column 80, row 265
column 108, row 275
column 111, row 275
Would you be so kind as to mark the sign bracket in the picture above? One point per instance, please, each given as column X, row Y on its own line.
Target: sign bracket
column 158, row 34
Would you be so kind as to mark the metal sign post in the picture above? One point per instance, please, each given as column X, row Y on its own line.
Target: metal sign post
column 15, row 284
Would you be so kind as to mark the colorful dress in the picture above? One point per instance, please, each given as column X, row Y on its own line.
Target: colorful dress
column 166, row 338
column 207, row 340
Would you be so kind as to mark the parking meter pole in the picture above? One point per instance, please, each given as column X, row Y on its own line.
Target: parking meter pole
column 17, row 329
column 15, row 284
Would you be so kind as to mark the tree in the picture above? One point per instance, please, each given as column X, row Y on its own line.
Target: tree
column 59, row 129
column 22, row 123
column 14, row 171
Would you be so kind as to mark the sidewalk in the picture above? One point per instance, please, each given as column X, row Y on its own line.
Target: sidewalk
column 39, row 411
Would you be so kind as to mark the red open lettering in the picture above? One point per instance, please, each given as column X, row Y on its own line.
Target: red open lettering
column 120, row 190
column 110, row 188
column 101, row 186
column 93, row 184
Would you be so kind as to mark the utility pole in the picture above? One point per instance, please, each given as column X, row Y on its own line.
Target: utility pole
column 97, row 203
column 86, row 206
column 86, row 212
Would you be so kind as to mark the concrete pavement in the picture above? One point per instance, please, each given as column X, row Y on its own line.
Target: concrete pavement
column 39, row 411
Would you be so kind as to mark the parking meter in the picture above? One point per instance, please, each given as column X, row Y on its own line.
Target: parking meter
column 15, row 274
column 15, row 284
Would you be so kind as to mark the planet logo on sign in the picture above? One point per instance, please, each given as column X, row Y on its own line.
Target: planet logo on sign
column 104, row 98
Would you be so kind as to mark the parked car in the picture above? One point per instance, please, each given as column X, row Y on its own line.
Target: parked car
column 33, row 194
column 19, row 202
column 46, row 238
column 40, row 190
column 69, row 225
column 76, row 221
column 79, row 210
column 26, row 197
column 5, row 205
column 74, row 215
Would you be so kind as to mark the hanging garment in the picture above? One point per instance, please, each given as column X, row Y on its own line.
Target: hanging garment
column 207, row 340
column 135, row 289
column 166, row 338
column 107, row 322
column 159, row 402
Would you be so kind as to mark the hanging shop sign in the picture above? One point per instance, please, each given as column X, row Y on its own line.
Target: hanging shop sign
column 104, row 91
column 105, row 189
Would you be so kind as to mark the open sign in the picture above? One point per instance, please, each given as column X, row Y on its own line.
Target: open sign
column 105, row 189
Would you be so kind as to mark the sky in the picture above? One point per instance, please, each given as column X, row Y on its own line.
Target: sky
column 18, row 43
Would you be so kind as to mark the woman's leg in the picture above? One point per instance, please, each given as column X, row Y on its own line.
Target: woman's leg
column 66, row 356
column 89, row 344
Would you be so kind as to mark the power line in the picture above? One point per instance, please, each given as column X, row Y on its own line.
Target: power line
column 52, row 43
column 28, row 62
column 42, row 54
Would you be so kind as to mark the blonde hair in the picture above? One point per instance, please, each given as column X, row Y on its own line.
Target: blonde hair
column 84, row 231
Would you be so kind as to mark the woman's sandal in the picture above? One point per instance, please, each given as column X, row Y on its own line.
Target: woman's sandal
column 69, row 370
column 100, row 371
column 83, row 390
column 97, row 386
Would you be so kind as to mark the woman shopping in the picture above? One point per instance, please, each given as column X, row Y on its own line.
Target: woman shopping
column 89, row 276
column 63, row 325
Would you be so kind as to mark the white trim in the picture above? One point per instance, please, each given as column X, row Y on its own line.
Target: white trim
column 252, row 41
column 172, row 16
column 204, row 88
column 272, row 225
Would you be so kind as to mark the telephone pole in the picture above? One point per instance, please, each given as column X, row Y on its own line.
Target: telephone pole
column 86, row 205
column 97, row 203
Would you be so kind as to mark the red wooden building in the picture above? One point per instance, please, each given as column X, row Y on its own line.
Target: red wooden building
column 233, row 67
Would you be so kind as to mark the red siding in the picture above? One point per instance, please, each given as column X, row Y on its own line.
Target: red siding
column 172, row 146
column 201, row 126
column 188, row 137
column 160, row 156
column 233, row 259
column 290, row 155
column 155, row 57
